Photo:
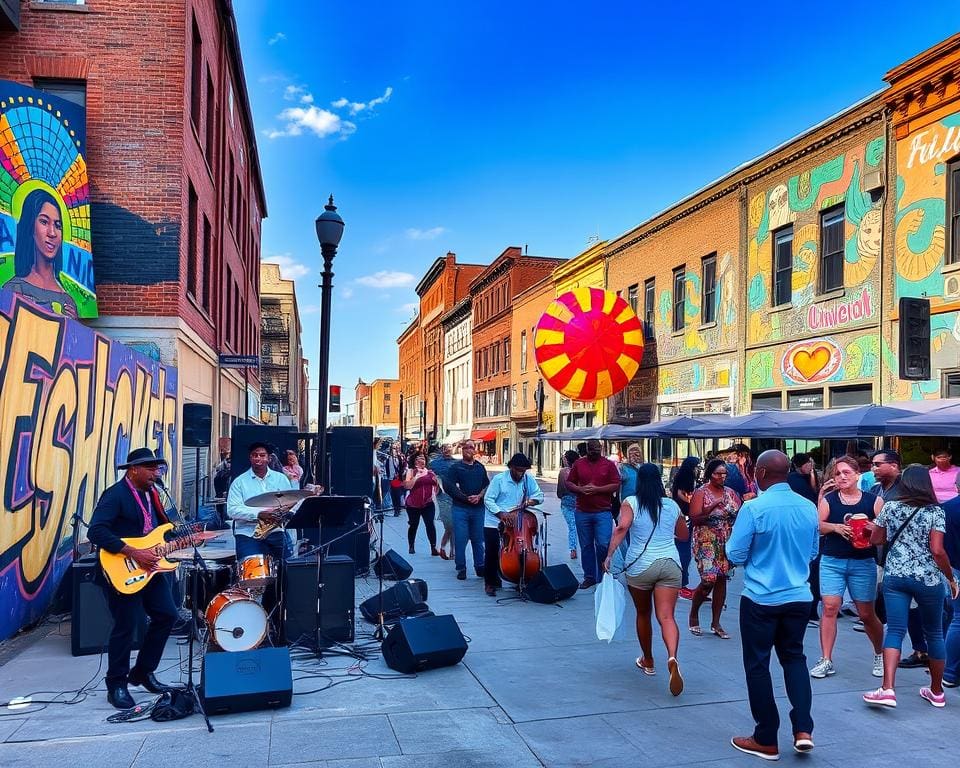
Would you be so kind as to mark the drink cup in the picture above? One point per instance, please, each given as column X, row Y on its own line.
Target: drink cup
column 858, row 523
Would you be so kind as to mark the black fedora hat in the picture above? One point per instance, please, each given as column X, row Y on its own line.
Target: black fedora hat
column 141, row 456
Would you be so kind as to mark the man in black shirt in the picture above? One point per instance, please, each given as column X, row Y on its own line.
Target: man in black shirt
column 468, row 481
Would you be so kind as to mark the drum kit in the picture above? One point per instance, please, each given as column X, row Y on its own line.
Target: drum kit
column 234, row 612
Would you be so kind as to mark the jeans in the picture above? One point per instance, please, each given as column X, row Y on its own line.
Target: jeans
column 413, row 523
column 780, row 627
column 683, row 549
column 386, row 494
column 952, row 672
column 396, row 498
column 594, row 530
column 897, row 593
column 468, row 524
column 156, row 598
column 491, row 567
column 568, row 505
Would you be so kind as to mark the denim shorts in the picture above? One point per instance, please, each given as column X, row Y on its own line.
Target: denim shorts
column 859, row 576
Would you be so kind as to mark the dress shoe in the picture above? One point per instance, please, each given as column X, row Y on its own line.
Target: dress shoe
column 491, row 591
column 749, row 745
column 802, row 742
column 587, row 583
column 120, row 697
column 462, row 575
column 148, row 682
column 914, row 661
column 413, row 551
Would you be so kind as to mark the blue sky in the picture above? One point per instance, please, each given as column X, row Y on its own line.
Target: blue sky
column 472, row 127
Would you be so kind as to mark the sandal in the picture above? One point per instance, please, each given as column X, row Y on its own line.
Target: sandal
column 444, row 555
column 696, row 631
column 720, row 632
column 649, row 671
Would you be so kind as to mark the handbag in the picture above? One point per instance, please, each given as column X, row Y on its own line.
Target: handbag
column 889, row 545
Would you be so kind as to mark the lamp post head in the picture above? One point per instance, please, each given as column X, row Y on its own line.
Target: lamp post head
column 329, row 225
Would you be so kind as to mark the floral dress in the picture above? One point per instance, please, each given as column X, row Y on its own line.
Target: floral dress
column 710, row 539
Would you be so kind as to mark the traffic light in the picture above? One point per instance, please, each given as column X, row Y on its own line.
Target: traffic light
column 914, row 338
column 334, row 398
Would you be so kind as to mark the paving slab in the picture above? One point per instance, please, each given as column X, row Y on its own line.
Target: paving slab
column 303, row 739
column 237, row 746
column 118, row 751
column 470, row 729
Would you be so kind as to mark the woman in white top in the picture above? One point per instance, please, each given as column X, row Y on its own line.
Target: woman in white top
column 652, row 566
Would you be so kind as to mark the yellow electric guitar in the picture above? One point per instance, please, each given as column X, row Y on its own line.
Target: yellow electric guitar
column 127, row 576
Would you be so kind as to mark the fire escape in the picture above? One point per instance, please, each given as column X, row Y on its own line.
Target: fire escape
column 275, row 359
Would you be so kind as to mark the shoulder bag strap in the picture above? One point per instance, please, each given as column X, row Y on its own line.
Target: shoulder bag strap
column 893, row 540
column 646, row 544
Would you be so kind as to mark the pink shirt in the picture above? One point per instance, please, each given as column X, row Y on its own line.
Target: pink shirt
column 944, row 482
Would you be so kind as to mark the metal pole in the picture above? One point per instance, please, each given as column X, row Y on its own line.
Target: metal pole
column 326, row 288
column 539, row 396
column 246, row 396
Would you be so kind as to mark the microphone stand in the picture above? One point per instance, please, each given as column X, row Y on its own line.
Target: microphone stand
column 199, row 566
column 380, row 632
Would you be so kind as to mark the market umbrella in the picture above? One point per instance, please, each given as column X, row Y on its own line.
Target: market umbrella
column 860, row 421
column 676, row 426
column 941, row 422
column 599, row 432
column 755, row 424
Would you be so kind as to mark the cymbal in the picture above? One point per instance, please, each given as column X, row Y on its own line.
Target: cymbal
column 273, row 499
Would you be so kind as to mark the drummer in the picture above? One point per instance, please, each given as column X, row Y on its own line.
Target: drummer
column 258, row 479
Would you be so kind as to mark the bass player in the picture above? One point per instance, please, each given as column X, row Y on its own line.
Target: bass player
column 130, row 509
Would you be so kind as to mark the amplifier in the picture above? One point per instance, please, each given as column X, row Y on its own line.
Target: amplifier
column 91, row 622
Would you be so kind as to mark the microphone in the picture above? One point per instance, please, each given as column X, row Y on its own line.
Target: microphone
column 158, row 480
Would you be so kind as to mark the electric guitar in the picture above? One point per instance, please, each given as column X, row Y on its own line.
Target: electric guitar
column 128, row 577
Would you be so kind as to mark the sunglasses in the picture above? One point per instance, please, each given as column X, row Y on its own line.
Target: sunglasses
column 881, row 463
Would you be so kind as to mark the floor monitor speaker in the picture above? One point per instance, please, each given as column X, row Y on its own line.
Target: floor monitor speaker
column 399, row 601
column 243, row 681
column 392, row 567
column 415, row 645
column 552, row 584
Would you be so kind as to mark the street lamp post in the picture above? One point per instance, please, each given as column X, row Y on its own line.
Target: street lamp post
column 329, row 231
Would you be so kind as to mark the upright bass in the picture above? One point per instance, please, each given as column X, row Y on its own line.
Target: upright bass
column 519, row 559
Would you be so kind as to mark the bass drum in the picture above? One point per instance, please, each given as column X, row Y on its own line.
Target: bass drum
column 236, row 621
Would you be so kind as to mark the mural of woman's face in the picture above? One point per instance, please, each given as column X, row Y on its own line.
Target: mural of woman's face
column 779, row 205
column 868, row 236
column 48, row 232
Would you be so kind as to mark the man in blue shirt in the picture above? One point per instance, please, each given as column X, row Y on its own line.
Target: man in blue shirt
column 507, row 492
column 775, row 537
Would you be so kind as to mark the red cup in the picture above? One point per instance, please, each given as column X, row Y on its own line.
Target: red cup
column 858, row 524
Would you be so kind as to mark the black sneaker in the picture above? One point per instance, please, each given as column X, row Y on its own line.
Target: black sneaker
column 915, row 660
column 120, row 697
column 462, row 575
column 587, row 583
column 950, row 683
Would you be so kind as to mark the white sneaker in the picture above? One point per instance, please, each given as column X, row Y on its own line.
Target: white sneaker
column 877, row 665
column 823, row 668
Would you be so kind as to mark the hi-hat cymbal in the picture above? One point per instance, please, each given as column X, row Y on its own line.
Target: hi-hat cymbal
column 274, row 499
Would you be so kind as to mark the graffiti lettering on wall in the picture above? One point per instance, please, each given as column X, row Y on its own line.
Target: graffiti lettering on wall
column 827, row 359
column 72, row 403
column 921, row 210
column 798, row 203
column 697, row 376
column 45, row 251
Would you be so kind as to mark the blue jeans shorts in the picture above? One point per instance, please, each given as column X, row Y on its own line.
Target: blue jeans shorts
column 858, row 576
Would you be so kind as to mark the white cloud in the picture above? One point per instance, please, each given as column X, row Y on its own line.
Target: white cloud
column 320, row 122
column 407, row 309
column 425, row 234
column 347, row 292
column 386, row 279
column 289, row 269
column 276, row 38
column 307, row 98
column 356, row 107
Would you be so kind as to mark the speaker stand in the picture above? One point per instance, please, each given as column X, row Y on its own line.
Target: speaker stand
column 191, row 689
column 380, row 632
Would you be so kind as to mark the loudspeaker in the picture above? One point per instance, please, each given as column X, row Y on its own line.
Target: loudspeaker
column 91, row 621
column 196, row 425
column 319, row 614
column 351, row 461
column 405, row 598
column 914, row 339
column 282, row 438
column 414, row 645
column 343, row 529
column 392, row 567
column 552, row 584
column 243, row 681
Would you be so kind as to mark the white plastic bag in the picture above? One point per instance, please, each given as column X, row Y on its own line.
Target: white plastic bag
column 608, row 603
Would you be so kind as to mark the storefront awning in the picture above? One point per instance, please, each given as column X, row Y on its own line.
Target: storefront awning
column 483, row 435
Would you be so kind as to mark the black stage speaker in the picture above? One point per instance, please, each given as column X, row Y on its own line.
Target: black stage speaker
column 343, row 528
column 351, row 461
column 196, row 425
column 91, row 622
column 243, row 681
column 319, row 615
column 914, row 339
column 393, row 567
column 405, row 598
column 282, row 438
column 428, row 642
column 552, row 584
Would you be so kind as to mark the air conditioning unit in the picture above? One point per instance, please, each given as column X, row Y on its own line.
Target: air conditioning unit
column 951, row 287
column 873, row 181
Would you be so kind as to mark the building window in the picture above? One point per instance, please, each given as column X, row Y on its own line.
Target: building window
column 506, row 355
column 523, row 351
column 708, row 297
column 70, row 90
column 386, row 396
column 632, row 297
column 523, row 394
column 847, row 397
column 513, row 394
column 953, row 212
column 831, row 249
column 206, row 269
column 782, row 266
column 771, row 401
column 196, row 74
column 193, row 265
column 951, row 384
column 211, row 119
column 386, row 410
column 649, row 309
column 805, row 400
column 678, row 298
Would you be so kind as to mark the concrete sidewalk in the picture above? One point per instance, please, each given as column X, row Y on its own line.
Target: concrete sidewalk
column 536, row 688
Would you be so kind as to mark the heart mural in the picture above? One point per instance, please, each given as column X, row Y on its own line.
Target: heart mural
column 814, row 361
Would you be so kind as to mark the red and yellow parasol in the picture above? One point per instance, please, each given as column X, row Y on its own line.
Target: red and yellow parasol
column 588, row 344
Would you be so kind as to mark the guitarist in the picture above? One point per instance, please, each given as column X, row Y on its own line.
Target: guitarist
column 129, row 509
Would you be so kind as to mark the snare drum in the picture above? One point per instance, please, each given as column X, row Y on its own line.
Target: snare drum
column 256, row 571
column 236, row 621
column 209, row 583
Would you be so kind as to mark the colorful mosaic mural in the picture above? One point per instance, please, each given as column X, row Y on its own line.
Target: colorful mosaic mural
column 45, row 250
column 711, row 373
column 799, row 202
column 816, row 361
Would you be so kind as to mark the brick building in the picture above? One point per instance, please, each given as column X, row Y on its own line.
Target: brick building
column 492, row 293
column 283, row 386
column 444, row 284
column 176, row 191
column 378, row 405
column 457, row 372
column 410, row 357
